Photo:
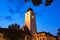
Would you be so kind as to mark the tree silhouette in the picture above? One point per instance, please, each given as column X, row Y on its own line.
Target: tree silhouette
column 48, row 2
column 36, row 2
column 14, row 27
column 13, row 32
column 58, row 34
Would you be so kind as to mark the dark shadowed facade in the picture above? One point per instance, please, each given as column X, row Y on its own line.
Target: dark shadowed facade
column 14, row 34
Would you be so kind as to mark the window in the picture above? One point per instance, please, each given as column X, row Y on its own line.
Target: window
column 41, row 38
column 4, row 36
column 0, row 36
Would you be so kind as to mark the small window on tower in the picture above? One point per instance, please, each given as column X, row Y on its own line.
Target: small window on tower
column 32, row 16
column 32, row 13
column 27, row 14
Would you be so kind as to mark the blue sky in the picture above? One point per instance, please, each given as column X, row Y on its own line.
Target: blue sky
column 47, row 17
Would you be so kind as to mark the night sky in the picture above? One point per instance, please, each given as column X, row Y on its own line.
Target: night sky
column 47, row 17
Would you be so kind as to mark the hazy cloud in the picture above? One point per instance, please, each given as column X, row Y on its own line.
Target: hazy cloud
column 26, row 0
column 11, row 10
column 9, row 18
column 15, row 6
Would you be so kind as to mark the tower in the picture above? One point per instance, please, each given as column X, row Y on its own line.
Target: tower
column 31, row 22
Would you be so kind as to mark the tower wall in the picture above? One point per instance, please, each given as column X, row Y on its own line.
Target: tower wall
column 31, row 23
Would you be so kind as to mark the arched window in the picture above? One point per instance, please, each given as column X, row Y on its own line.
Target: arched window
column 41, row 38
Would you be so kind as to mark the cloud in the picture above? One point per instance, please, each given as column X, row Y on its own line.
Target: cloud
column 9, row 18
column 11, row 10
column 26, row 0
column 15, row 6
column 11, row 1
column 6, row 18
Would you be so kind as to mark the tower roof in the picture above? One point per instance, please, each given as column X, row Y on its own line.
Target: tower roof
column 30, row 9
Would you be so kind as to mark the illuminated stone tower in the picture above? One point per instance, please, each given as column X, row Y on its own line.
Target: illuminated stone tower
column 31, row 22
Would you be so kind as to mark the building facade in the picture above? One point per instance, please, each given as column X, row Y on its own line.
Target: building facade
column 59, row 38
column 2, row 37
column 46, row 36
